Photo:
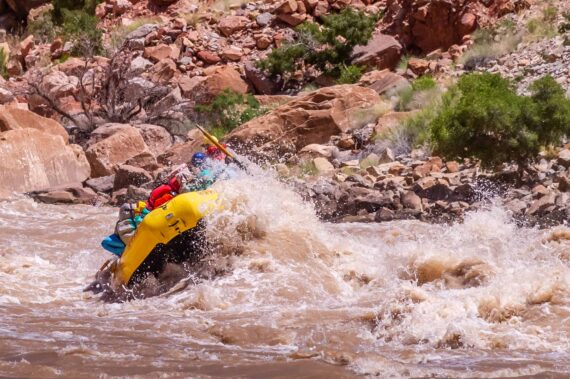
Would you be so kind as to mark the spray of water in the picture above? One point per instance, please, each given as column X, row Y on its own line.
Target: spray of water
column 482, row 298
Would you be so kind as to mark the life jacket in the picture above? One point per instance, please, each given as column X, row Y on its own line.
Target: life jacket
column 160, row 195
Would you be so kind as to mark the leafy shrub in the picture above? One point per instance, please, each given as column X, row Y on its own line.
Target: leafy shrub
column 544, row 26
column 488, row 44
column 3, row 60
column 325, row 47
column 483, row 117
column 229, row 110
column 79, row 25
column 403, row 63
column 349, row 74
column 420, row 92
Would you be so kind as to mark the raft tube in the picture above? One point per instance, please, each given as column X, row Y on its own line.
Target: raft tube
column 164, row 226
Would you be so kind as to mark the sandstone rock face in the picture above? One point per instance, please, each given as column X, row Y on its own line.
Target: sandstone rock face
column 112, row 145
column 313, row 118
column 156, row 138
column 202, row 89
column 12, row 118
column 33, row 160
column 429, row 25
column 383, row 81
column 381, row 52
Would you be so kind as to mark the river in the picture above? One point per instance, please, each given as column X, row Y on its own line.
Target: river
column 290, row 296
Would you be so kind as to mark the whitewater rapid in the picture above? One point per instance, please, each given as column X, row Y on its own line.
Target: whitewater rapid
column 289, row 296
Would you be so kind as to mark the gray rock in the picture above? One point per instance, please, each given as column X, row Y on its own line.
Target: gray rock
column 101, row 184
column 129, row 175
column 412, row 201
column 140, row 65
column 142, row 31
column 264, row 19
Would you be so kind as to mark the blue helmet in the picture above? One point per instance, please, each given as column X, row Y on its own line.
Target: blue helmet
column 198, row 159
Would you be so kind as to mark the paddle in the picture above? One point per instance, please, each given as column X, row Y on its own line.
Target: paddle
column 213, row 139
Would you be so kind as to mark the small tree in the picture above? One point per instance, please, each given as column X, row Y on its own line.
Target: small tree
column 3, row 60
column 327, row 47
column 483, row 117
column 230, row 109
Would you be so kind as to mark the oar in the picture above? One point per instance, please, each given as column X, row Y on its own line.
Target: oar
column 212, row 139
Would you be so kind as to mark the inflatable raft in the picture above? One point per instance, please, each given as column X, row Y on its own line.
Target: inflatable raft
column 172, row 232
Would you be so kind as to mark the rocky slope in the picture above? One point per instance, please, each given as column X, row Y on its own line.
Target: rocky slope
column 128, row 110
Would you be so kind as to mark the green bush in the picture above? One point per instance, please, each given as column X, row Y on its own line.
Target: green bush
column 60, row 6
column 483, row 117
column 3, row 60
column 229, row 110
column 326, row 47
column 349, row 74
column 79, row 25
column 420, row 92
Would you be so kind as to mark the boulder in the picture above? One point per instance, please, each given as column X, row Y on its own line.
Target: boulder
column 12, row 118
column 71, row 194
column 73, row 67
column 381, row 52
column 111, row 145
column 209, row 57
column 383, row 81
column 230, row 24
column 412, row 201
column 6, row 96
column 34, row 160
column 312, row 118
column 145, row 160
column 156, row 138
column 58, row 85
column 129, row 175
column 264, row 19
column 140, row 65
column 564, row 158
column 203, row 89
column 163, row 71
column 323, row 166
column 102, row 184
column 292, row 19
column 142, row 31
column 261, row 82
column 160, row 52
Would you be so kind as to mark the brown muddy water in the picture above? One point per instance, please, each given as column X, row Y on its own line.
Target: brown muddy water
column 292, row 297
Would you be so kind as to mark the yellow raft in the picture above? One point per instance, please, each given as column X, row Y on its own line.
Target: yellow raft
column 163, row 227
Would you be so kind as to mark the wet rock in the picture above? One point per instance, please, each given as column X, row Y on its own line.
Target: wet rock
column 436, row 192
column 540, row 205
column 323, row 166
column 75, row 194
column 155, row 137
column 102, row 184
column 412, row 201
column 129, row 175
column 384, row 214
column 33, row 160
column 111, row 145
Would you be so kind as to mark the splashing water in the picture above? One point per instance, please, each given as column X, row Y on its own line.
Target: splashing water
column 291, row 296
